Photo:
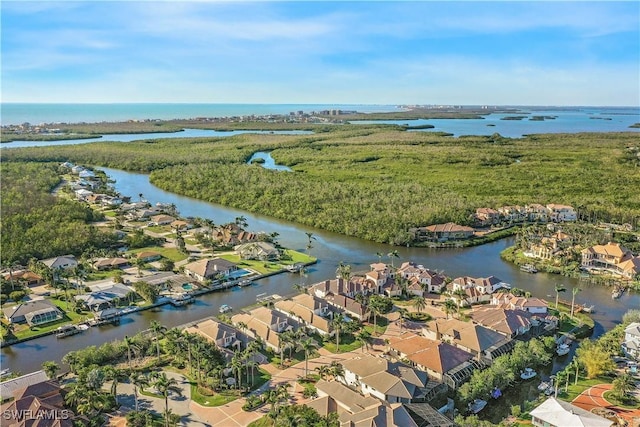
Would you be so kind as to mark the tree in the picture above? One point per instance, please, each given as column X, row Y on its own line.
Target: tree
column 158, row 331
column 338, row 324
column 623, row 385
column 165, row 387
column 323, row 371
column 307, row 345
column 343, row 271
column 574, row 291
column 559, row 288
column 379, row 255
column 460, row 295
column 392, row 255
column 419, row 304
column 449, row 306
column 115, row 375
column 50, row 368
column 310, row 238
column 139, row 381
column 595, row 359
column 364, row 337
column 376, row 306
column 130, row 344
column 403, row 312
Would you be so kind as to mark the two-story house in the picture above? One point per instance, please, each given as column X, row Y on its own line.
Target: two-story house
column 266, row 324
column 309, row 310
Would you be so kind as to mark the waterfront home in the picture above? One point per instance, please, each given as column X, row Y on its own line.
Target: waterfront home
column 561, row 213
column 509, row 301
column 421, row 279
column 40, row 404
column 442, row 232
column 486, row 216
column 484, row 285
column 232, row 234
column 263, row 251
column 227, row 338
column 24, row 276
column 612, row 258
column 168, row 280
column 83, row 194
column 511, row 323
column 161, row 219
column 471, row 337
column 312, row 312
column 266, row 324
column 513, row 213
column 631, row 343
column 110, row 263
column 392, row 382
column 340, row 286
column 441, row 361
column 209, row 269
column 33, row 313
column 9, row 387
column 104, row 296
column 65, row 262
column 181, row 225
column 557, row 413
column 77, row 169
column 354, row 409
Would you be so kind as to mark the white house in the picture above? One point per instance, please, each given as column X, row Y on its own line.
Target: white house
column 631, row 344
column 556, row 413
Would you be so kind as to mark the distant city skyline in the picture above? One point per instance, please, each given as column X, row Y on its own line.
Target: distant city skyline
column 451, row 53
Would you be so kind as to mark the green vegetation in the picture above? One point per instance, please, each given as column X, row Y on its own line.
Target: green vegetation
column 36, row 224
column 170, row 253
column 376, row 182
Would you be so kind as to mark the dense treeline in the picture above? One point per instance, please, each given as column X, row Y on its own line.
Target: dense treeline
column 36, row 224
column 376, row 182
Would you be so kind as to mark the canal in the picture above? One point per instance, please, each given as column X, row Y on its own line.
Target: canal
column 330, row 249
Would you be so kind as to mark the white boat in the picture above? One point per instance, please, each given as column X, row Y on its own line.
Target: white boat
column 224, row 308
column 563, row 349
column 590, row 309
column 528, row 373
column 529, row 268
column 617, row 293
column 477, row 405
column 544, row 386
column 244, row 283
column 5, row 373
column 67, row 330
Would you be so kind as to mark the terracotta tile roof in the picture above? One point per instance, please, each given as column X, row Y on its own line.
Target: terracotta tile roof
column 502, row 320
column 434, row 355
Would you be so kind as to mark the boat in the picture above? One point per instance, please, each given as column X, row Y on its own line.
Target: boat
column 496, row 393
column 67, row 330
column 528, row 373
column 224, row 308
column 5, row 373
column 563, row 349
column 543, row 386
column 244, row 283
column 529, row 268
column 616, row 293
column 294, row 268
column 477, row 405
column 590, row 309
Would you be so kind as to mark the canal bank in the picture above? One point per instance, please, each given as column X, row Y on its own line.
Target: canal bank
column 330, row 249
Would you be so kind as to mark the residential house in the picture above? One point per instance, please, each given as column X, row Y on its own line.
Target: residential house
column 86, row 174
column 421, row 279
column 110, row 263
column 441, row 361
column 104, row 296
column 148, row 256
column 513, row 213
column 477, row 289
column 224, row 336
column 263, row 251
column 309, row 310
column 356, row 410
column 468, row 336
column 557, row 413
column 631, row 343
column 232, row 235
column 209, row 269
column 181, row 225
column 9, row 387
column 83, row 194
column 509, row 301
column 35, row 312
column 392, row 382
column 266, row 324
column 561, row 213
column 24, row 276
column 65, row 262
column 162, row 219
column 40, row 404
column 511, row 323
column 537, row 212
column 168, row 280
column 77, row 169
column 348, row 306
column 486, row 216
column 443, row 232
column 613, row 258
column 356, row 285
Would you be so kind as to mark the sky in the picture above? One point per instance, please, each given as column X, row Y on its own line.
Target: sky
column 363, row 52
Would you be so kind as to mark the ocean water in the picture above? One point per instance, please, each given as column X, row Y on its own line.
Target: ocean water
column 17, row 113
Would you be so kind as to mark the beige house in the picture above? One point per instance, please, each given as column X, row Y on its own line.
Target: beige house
column 311, row 311
column 224, row 336
column 510, row 323
column 265, row 324
column 209, row 269
column 442, row 232
column 612, row 258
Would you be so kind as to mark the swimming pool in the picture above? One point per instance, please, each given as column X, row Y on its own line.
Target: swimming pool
column 187, row 287
column 239, row 273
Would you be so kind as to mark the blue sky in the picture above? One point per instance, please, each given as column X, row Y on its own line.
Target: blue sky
column 498, row 53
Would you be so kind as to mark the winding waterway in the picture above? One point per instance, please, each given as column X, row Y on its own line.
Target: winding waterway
column 330, row 248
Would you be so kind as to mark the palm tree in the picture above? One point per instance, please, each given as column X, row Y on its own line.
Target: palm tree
column 449, row 307
column 115, row 375
column 336, row 370
column 365, row 339
column 130, row 343
column 165, row 386
column 139, row 381
column 403, row 314
column 50, row 368
column 338, row 324
column 574, row 291
column 158, row 331
column 236, row 366
column 323, row 371
column 310, row 238
column 343, row 271
column 300, row 288
column 379, row 255
column 307, row 345
column 623, row 385
column 559, row 288
column 419, row 304
column 375, row 306
column 392, row 255
column 460, row 295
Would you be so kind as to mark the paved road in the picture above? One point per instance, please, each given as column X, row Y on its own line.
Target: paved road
column 593, row 397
